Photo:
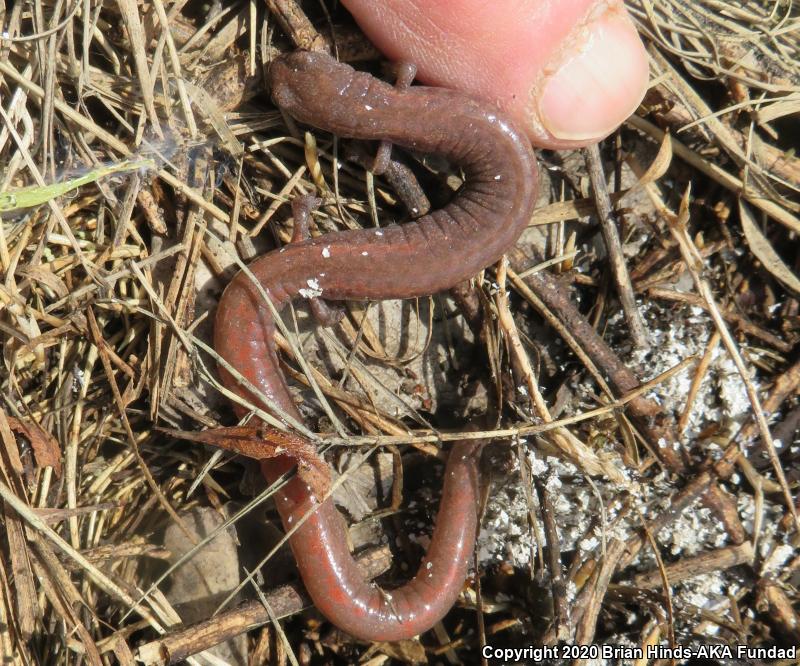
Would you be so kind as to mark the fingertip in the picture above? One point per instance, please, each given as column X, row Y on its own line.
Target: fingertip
column 596, row 86
column 569, row 71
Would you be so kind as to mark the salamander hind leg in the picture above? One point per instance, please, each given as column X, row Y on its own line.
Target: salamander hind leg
column 302, row 207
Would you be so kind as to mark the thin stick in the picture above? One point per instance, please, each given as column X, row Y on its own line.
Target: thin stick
column 608, row 226
column 284, row 601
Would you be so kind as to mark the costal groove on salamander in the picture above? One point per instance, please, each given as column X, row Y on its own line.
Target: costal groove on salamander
column 484, row 219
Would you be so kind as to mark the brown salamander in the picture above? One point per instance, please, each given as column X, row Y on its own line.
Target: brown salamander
column 428, row 255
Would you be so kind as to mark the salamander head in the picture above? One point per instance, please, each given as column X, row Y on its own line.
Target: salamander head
column 302, row 80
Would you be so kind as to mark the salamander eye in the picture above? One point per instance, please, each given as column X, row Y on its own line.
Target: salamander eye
column 313, row 63
column 283, row 95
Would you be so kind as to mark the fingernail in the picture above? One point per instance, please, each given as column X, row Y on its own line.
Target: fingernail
column 594, row 90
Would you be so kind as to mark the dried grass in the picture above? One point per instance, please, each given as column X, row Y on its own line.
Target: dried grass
column 103, row 327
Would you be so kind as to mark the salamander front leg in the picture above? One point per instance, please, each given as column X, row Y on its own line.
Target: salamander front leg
column 405, row 72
